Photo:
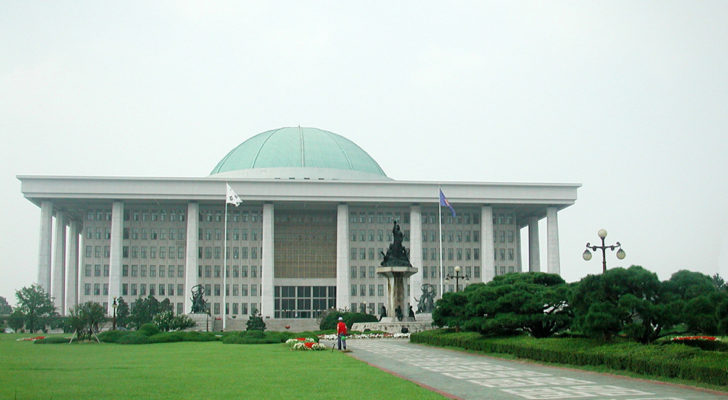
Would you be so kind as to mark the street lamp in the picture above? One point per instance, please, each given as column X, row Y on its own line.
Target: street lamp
column 458, row 276
column 114, row 305
column 587, row 255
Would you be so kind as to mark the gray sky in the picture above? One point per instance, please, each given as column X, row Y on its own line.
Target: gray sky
column 628, row 98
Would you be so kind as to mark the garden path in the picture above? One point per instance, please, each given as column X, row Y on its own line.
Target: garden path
column 470, row 376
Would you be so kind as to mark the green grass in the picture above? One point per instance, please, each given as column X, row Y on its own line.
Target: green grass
column 189, row 370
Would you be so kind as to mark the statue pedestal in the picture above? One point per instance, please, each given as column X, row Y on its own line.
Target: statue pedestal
column 395, row 290
column 203, row 322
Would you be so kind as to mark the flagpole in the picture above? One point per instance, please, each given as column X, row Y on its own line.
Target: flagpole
column 224, row 270
column 439, row 250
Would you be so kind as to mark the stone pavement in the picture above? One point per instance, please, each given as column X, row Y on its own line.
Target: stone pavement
column 471, row 376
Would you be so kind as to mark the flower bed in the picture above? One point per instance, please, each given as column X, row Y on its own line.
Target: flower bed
column 710, row 343
column 307, row 346
column 384, row 335
column 30, row 339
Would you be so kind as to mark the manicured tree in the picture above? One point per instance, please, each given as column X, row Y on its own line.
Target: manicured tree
column 16, row 320
column 144, row 310
column 699, row 295
column 631, row 300
column 450, row 310
column 533, row 302
column 5, row 308
column 123, row 315
column 36, row 307
column 85, row 319
column 721, row 314
column 255, row 323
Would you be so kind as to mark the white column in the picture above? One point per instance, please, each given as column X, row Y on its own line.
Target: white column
column 191, row 277
column 45, row 246
column 72, row 267
column 486, row 243
column 519, row 257
column 58, row 286
column 534, row 258
column 343, row 280
column 267, row 275
column 415, row 239
column 552, row 237
column 117, row 229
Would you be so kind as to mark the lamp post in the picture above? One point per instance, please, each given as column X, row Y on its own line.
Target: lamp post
column 458, row 276
column 603, row 234
column 114, row 305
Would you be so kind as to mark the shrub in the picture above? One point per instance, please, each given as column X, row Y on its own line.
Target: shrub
column 111, row 336
column 331, row 318
column 674, row 361
column 53, row 340
column 133, row 338
column 148, row 329
column 255, row 323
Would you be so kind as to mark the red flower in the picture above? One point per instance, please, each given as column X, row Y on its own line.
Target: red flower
column 301, row 339
column 308, row 344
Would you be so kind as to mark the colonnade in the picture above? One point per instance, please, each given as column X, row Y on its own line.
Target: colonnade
column 58, row 266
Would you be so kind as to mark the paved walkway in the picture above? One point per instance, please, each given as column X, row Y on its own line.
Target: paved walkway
column 470, row 376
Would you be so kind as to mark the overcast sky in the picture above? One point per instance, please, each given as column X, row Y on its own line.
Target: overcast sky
column 630, row 99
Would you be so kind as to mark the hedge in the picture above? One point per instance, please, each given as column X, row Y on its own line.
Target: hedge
column 53, row 340
column 671, row 361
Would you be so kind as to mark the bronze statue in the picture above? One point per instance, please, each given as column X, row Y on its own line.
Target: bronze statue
column 198, row 302
column 426, row 303
column 396, row 253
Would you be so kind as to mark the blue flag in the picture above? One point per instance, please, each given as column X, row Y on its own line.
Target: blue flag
column 444, row 202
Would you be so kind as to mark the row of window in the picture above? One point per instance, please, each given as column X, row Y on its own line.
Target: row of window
column 433, row 272
column 233, row 215
column 232, row 234
column 175, row 215
column 379, row 218
column 451, row 254
column 237, row 271
column 154, row 234
column 363, row 236
column 364, row 290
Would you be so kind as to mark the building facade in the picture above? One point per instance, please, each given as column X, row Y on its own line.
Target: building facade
column 317, row 213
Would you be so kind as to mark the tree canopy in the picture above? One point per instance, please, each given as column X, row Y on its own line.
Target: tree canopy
column 36, row 307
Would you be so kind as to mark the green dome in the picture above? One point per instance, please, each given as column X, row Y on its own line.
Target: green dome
column 299, row 153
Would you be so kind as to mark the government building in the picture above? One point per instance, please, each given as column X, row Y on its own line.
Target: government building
column 316, row 215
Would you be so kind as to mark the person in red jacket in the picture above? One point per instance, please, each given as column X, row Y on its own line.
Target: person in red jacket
column 341, row 333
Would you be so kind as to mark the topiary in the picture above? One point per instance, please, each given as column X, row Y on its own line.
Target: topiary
column 255, row 323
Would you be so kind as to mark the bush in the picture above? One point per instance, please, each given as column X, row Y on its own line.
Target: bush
column 260, row 337
column 53, row 340
column 133, row 338
column 111, row 336
column 148, row 329
column 673, row 361
column 255, row 323
column 331, row 318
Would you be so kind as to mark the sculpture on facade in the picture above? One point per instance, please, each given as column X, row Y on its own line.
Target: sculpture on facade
column 396, row 253
column 426, row 303
column 199, row 305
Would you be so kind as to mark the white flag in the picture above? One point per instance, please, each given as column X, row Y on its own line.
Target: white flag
column 232, row 197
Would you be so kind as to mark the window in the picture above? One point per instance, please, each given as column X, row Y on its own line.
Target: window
column 243, row 290
column 87, row 289
column 253, row 289
column 362, row 272
column 134, row 270
column 362, row 290
column 371, row 290
column 97, row 270
column 124, row 289
column 170, row 289
column 125, row 270
column 253, row 253
column 217, row 271
column 244, row 271
column 143, row 289
column 133, row 289
column 208, row 271
column 380, row 290
column 171, row 271
column 180, row 271
column 371, row 271
column 353, row 291
column 511, row 254
column 161, row 271
column 87, row 270
column 476, row 254
column 152, row 271
column 161, row 289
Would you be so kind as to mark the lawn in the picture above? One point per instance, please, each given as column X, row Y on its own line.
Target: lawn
column 189, row 370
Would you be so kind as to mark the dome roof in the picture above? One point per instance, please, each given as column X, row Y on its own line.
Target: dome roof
column 299, row 153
